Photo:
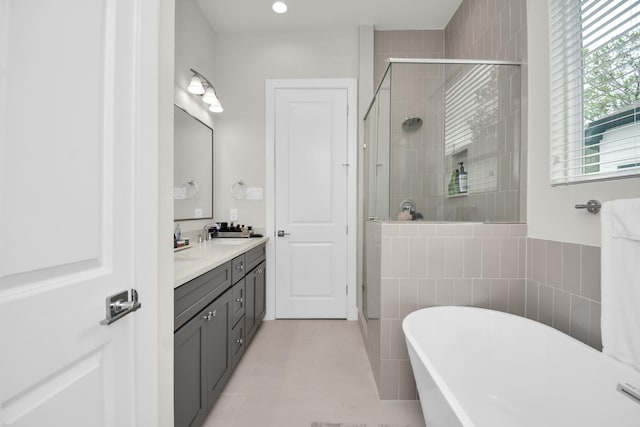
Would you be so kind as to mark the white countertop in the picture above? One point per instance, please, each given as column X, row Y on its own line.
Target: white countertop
column 202, row 257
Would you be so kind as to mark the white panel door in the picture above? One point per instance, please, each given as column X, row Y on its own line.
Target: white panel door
column 311, row 202
column 69, row 131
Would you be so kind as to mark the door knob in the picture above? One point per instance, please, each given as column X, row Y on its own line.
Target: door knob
column 118, row 305
column 281, row 233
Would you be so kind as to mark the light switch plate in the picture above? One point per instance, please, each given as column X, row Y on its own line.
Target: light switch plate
column 254, row 193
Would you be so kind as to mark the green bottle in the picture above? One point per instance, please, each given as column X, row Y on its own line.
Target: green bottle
column 453, row 183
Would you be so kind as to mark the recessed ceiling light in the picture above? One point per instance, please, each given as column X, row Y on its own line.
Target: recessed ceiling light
column 279, row 7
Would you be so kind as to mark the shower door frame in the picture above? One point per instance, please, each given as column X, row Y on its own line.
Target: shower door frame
column 388, row 71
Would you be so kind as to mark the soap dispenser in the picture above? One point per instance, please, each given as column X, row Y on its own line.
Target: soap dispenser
column 177, row 232
column 462, row 179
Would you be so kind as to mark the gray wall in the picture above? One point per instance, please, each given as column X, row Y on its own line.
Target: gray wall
column 243, row 62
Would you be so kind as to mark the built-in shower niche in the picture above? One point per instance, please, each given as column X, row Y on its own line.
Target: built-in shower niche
column 426, row 118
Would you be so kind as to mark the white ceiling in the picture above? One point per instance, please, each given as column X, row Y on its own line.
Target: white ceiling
column 256, row 15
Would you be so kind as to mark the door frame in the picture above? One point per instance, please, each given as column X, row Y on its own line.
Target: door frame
column 351, row 85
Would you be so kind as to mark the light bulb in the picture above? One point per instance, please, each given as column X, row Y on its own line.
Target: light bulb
column 209, row 96
column 279, row 7
column 216, row 107
column 195, row 86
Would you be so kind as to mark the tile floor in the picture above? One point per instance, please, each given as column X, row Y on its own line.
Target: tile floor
column 299, row 373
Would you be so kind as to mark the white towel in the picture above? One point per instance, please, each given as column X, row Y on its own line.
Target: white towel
column 620, row 255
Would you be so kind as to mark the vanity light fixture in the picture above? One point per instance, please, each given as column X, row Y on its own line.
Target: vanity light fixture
column 195, row 86
column 279, row 7
column 199, row 85
column 216, row 107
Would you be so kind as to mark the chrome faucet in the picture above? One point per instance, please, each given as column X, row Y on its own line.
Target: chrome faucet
column 207, row 231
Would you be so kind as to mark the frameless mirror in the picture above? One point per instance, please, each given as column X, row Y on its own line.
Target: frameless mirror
column 193, row 167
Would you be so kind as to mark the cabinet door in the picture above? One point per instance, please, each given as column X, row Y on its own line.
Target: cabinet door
column 190, row 391
column 237, row 268
column 255, row 297
column 237, row 343
column 238, row 303
column 218, row 354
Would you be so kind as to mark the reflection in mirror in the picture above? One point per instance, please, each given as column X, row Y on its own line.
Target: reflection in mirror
column 193, row 167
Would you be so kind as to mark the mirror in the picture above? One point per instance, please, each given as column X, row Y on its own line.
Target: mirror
column 193, row 167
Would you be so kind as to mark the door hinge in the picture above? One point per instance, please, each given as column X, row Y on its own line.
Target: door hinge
column 347, row 288
column 347, row 229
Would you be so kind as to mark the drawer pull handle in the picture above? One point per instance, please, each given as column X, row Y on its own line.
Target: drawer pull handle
column 240, row 267
column 239, row 341
column 240, row 299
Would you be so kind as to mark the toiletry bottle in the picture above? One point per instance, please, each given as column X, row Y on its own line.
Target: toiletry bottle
column 453, row 183
column 462, row 179
column 177, row 232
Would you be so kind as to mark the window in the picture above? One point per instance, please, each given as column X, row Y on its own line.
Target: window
column 595, row 89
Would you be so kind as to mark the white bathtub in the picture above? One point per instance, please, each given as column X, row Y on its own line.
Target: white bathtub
column 484, row 368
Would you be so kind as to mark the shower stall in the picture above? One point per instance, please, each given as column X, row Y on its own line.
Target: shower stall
column 443, row 142
column 442, row 198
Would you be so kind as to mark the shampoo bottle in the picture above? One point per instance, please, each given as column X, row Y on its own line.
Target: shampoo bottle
column 453, row 183
column 462, row 179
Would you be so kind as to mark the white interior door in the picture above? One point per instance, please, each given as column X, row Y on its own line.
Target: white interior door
column 69, row 162
column 311, row 170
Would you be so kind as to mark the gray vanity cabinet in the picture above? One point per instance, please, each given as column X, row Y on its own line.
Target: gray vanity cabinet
column 218, row 357
column 190, row 391
column 202, row 361
column 216, row 315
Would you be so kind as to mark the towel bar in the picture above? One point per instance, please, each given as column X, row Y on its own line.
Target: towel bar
column 592, row 206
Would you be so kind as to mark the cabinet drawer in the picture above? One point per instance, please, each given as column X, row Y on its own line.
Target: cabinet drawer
column 237, row 268
column 255, row 256
column 237, row 342
column 238, row 295
column 196, row 294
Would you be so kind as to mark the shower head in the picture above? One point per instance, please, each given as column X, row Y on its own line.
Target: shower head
column 411, row 124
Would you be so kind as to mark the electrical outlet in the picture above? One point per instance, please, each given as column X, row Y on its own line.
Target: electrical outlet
column 233, row 214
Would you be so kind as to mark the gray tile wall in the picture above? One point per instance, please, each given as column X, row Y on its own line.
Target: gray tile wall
column 404, row 44
column 416, row 91
column 413, row 266
column 371, row 296
column 563, row 288
column 425, row 265
column 493, row 29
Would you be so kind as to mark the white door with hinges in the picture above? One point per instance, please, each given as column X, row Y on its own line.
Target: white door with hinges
column 311, row 172
column 77, row 222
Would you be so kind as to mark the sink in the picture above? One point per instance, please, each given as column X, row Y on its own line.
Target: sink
column 230, row 242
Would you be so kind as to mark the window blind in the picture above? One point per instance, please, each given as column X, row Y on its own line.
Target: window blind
column 595, row 89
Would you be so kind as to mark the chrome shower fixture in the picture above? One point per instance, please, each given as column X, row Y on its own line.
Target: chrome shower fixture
column 411, row 124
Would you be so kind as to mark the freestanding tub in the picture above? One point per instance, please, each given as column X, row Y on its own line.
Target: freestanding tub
column 484, row 368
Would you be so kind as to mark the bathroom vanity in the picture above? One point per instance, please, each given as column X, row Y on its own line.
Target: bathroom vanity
column 219, row 299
